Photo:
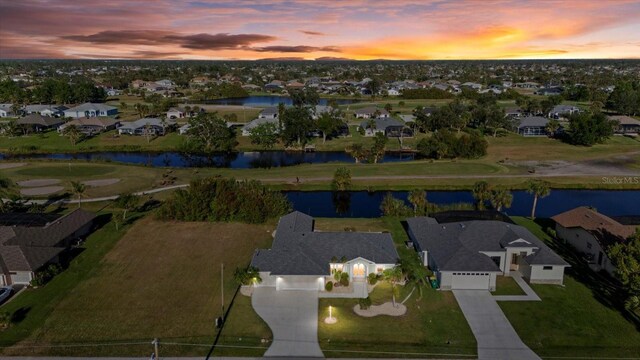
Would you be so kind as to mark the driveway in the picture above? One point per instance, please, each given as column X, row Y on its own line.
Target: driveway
column 292, row 316
column 496, row 338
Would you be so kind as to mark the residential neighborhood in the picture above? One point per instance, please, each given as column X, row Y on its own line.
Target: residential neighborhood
column 298, row 179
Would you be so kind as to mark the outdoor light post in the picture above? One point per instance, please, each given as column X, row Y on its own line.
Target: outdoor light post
column 330, row 319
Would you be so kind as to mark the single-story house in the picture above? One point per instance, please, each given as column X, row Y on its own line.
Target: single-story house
column 184, row 129
column 45, row 110
column 146, row 126
column 93, row 125
column 25, row 249
column 513, row 112
column 6, row 110
column 269, row 113
column 91, row 110
column 388, row 126
column 591, row 233
column 559, row 111
column 39, row 123
column 527, row 85
column 533, row 126
column 303, row 259
column 175, row 113
column 548, row 91
column 274, row 85
column 370, row 112
column 246, row 129
column 470, row 254
column 626, row 124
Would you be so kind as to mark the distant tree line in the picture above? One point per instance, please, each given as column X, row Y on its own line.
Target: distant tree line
column 219, row 199
column 57, row 91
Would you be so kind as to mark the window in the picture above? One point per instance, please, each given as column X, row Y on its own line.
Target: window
column 547, row 268
column 379, row 269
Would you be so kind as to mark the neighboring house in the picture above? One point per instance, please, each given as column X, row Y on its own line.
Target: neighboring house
column 275, row 85
column 591, row 234
column 470, row 254
column 91, row 126
column 269, row 113
column 387, row 126
column 146, row 126
column 513, row 112
column 6, row 110
column 175, row 113
column 184, row 129
column 246, row 129
column 527, row 85
column 559, row 111
column 393, row 92
column 370, row 112
column 91, row 110
column 303, row 259
column 25, row 249
column 39, row 123
column 45, row 110
column 626, row 124
column 533, row 126
column 549, row 91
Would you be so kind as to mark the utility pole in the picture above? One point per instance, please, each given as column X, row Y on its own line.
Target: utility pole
column 155, row 349
column 222, row 287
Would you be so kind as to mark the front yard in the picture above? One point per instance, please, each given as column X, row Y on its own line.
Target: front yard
column 581, row 319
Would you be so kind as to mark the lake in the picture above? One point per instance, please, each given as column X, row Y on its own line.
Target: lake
column 363, row 204
column 271, row 100
column 237, row 160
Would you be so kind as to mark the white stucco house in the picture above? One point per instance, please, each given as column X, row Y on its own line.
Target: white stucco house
column 6, row 110
column 91, row 110
column 471, row 254
column 370, row 112
column 304, row 259
column 590, row 234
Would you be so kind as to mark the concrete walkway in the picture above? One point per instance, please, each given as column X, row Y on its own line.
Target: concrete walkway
column 292, row 316
column 530, row 294
column 497, row 340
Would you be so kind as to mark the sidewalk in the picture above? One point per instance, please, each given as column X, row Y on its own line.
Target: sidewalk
column 530, row 295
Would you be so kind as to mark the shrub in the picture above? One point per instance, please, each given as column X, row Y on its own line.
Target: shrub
column 364, row 303
column 328, row 286
column 337, row 275
column 344, row 279
column 44, row 276
column 551, row 232
column 373, row 278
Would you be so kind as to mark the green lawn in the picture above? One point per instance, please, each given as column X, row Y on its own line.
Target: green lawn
column 161, row 279
column 432, row 325
column 505, row 285
column 581, row 319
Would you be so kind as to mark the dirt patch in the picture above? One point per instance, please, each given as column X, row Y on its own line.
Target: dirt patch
column 101, row 182
column 37, row 191
column 11, row 165
column 384, row 309
column 38, row 182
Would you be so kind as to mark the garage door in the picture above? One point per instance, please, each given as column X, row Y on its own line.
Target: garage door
column 297, row 283
column 470, row 281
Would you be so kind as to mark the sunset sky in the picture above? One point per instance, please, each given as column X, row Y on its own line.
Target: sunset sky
column 310, row 29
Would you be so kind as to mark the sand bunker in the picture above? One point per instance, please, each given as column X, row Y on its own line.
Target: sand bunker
column 384, row 309
column 11, row 165
column 38, row 182
column 100, row 182
column 45, row 190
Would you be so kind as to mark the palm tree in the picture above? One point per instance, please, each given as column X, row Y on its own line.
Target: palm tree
column 415, row 272
column 393, row 276
column 481, row 192
column 358, row 152
column 78, row 189
column 539, row 189
column 501, row 198
column 418, row 198
column 341, row 179
column 72, row 133
column 552, row 126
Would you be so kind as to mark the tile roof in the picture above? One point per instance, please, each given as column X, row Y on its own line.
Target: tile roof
column 37, row 119
column 603, row 228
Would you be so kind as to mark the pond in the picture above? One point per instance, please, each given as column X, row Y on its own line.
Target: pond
column 363, row 204
column 238, row 160
column 270, row 100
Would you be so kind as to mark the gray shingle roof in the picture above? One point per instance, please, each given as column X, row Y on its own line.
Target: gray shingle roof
column 298, row 250
column 52, row 233
column 533, row 121
column 382, row 123
column 37, row 119
column 457, row 246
